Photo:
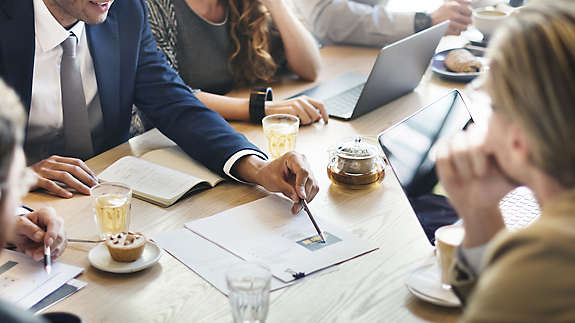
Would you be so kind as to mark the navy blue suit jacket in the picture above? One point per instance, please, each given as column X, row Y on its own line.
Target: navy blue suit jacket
column 129, row 70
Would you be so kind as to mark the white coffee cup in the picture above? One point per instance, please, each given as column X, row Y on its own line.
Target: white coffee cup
column 447, row 239
column 488, row 19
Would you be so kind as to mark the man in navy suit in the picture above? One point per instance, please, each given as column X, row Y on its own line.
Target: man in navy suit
column 80, row 65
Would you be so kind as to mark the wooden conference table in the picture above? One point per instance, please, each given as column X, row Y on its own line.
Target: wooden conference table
column 367, row 289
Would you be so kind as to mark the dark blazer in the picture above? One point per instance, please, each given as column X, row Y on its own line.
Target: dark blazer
column 129, row 70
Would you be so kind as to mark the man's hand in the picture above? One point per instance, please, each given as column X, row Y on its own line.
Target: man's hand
column 71, row 172
column 457, row 12
column 35, row 229
column 306, row 109
column 289, row 174
column 474, row 184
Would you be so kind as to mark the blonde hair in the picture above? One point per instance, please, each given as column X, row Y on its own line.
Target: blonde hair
column 532, row 82
column 12, row 122
column 250, row 61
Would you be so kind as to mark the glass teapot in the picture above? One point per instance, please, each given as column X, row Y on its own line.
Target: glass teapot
column 356, row 163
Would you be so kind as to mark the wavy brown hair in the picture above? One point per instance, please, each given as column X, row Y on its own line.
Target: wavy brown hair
column 251, row 61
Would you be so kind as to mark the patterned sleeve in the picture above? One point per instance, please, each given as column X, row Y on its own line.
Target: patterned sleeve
column 162, row 20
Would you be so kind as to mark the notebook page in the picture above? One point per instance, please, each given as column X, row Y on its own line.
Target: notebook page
column 149, row 180
column 175, row 158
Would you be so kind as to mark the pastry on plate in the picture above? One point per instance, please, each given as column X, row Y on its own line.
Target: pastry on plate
column 462, row 61
column 126, row 246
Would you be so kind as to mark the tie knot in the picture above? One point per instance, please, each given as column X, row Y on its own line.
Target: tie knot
column 69, row 45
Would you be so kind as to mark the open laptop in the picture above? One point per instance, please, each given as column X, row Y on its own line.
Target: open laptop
column 397, row 71
column 409, row 145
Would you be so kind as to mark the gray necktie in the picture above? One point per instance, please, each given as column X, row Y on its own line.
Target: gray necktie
column 77, row 133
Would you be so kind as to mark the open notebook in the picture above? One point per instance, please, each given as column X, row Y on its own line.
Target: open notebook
column 161, row 176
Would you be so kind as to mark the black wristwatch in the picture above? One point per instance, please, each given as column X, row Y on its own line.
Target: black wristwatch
column 421, row 21
column 258, row 98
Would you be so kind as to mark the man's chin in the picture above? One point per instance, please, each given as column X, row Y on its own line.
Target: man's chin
column 96, row 20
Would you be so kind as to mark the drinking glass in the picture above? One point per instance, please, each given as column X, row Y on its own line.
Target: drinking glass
column 281, row 132
column 111, row 204
column 249, row 291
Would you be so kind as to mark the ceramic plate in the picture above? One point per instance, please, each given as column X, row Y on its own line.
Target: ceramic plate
column 425, row 284
column 439, row 68
column 100, row 258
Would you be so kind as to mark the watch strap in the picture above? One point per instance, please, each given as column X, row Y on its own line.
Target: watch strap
column 258, row 98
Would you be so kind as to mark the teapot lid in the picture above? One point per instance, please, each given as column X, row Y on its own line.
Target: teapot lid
column 357, row 148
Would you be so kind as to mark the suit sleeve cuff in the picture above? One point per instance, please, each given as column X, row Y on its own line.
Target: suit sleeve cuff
column 237, row 156
column 474, row 257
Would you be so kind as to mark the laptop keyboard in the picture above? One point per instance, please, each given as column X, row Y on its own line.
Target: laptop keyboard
column 342, row 105
column 519, row 208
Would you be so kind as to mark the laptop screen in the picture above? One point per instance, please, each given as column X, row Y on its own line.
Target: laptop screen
column 409, row 144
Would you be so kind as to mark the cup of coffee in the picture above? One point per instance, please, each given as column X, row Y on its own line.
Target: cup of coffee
column 488, row 19
column 447, row 239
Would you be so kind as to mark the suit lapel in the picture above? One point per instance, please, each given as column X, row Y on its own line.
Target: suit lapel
column 17, row 45
column 104, row 43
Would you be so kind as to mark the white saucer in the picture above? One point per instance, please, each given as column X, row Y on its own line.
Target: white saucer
column 100, row 258
column 425, row 284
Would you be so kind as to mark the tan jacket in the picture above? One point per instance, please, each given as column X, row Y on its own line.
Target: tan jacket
column 529, row 275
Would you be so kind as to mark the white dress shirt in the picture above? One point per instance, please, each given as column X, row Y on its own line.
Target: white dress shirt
column 474, row 257
column 355, row 22
column 46, row 104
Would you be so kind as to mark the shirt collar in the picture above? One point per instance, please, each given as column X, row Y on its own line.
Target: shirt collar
column 49, row 32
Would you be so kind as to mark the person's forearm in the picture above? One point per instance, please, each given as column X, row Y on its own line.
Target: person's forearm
column 481, row 226
column 302, row 54
column 228, row 108
column 354, row 23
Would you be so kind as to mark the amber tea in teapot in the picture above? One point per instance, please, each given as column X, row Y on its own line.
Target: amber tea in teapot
column 356, row 164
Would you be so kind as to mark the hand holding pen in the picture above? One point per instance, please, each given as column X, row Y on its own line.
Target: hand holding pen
column 40, row 231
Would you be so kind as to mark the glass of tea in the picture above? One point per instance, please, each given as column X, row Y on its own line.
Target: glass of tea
column 111, row 203
column 281, row 132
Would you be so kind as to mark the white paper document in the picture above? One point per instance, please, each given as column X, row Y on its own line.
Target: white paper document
column 58, row 295
column 23, row 281
column 203, row 257
column 265, row 231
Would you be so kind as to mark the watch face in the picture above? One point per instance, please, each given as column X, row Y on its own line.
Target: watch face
column 422, row 21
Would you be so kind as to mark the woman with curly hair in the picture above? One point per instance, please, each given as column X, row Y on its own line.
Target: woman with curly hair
column 216, row 45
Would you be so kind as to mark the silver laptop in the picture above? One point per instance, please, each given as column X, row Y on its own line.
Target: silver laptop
column 408, row 146
column 397, row 71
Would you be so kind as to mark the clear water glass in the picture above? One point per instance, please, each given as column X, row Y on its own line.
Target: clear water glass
column 280, row 131
column 249, row 292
